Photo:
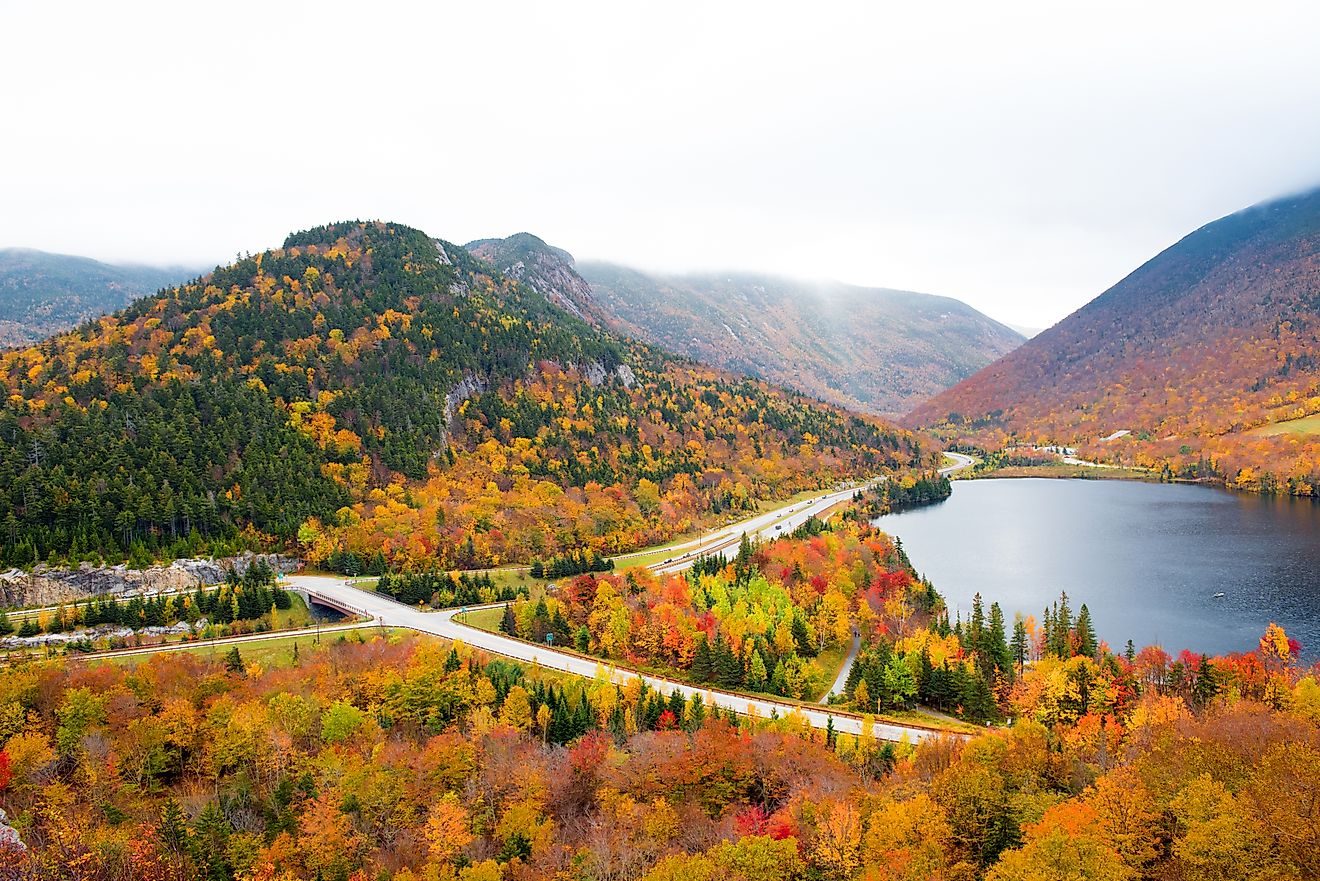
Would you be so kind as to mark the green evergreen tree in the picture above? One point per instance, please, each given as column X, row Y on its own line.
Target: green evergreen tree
column 1063, row 625
column 701, row 669
column 1020, row 645
column 996, row 641
column 696, row 712
column 1086, row 641
column 234, row 662
column 1206, row 686
column 801, row 636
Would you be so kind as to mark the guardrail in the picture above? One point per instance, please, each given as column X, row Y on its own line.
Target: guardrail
column 614, row 669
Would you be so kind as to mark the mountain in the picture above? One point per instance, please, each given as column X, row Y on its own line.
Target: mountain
column 547, row 270
column 42, row 294
column 378, row 395
column 869, row 349
column 1205, row 355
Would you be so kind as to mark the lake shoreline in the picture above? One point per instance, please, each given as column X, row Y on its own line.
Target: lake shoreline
column 1147, row 557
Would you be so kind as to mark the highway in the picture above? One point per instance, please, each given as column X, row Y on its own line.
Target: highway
column 725, row 540
column 447, row 624
column 336, row 592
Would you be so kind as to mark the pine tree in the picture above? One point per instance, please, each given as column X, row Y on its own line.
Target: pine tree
column 172, row 829
column 1086, row 641
column 701, row 670
column 509, row 624
column 1130, row 652
column 6, row 626
column 1206, row 686
column 696, row 713
column 728, row 669
column 802, row 637
column 996, row 642
column 234, row 662
column 1019, row 646
column 975, row 637
column 677, row 705
column 1063, row 624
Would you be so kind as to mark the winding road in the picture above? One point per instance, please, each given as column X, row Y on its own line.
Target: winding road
column 338, row 593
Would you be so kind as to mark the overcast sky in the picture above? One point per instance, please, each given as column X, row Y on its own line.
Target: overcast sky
column 1021, row 157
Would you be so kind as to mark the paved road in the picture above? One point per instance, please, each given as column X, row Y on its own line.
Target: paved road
column 444, row 624
column 961, row 462
column 841, row 681
column 723, row 540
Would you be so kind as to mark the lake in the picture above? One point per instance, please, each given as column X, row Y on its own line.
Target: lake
column 1146, row 558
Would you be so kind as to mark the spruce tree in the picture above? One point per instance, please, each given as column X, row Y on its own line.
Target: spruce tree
column 1206, row 686
column 1063, row 625
column 696, row 713
column 728, row 669
column 1020, row 643
column 1086, row 641
column 996, row 641
column 701, row 669
column 975, row 636
column 801, row 636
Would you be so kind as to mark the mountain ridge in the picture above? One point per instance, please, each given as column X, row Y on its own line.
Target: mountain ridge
column 806, row 335
column 1212, row 338
column 43, row 293
column 371, row 393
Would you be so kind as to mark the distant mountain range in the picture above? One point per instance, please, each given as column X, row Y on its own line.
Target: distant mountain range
column 1208, row 356
column 870, row 349
column 42, row 294
column 371, row 395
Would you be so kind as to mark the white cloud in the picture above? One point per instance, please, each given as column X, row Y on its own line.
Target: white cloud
column 1021, row 157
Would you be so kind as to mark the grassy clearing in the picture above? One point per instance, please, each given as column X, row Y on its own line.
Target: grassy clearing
column 829, row 662
column 1061, row 470
column 1301, row 427
column 484, row 619
column 274, row 652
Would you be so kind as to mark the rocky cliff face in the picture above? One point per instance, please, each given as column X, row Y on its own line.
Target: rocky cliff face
column 547, row 270
column 43, row 586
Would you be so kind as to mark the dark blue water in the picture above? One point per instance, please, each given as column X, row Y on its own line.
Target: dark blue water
column 1146, row 558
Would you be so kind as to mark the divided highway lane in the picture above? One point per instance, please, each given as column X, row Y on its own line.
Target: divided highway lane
column 386, row 611
column 724, row 541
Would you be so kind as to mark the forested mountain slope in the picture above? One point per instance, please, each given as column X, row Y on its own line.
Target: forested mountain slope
column 1196, row 354
column 869, row 349
column 377, row 393
column 547, row 270
column 42, row 294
